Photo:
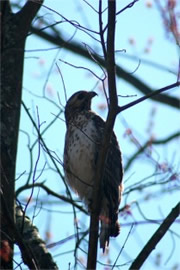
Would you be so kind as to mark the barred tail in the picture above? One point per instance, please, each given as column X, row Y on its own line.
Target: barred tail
column 107, row 230
column 104, row 235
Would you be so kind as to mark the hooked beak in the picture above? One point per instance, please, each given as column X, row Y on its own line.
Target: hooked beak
column 91, row 94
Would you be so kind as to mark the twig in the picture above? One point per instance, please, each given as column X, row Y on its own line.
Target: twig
column 63, row 82
column 154, row 93
column 75, row 24
column 129, row 233
column 101, row 33
column 49, row 73
column 34, row 172
column 50, row 156
column 149, row 143
column 80, row 67
column 120, row 72
column 151, row 244
column 90, row 6
column 128, row 6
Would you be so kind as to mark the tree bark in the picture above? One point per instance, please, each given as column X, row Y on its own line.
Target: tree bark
column 15, row 28
column 97, row 189
column 32, row 247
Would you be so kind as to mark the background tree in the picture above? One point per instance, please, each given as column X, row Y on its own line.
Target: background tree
column 15, row 30
column 42, row 172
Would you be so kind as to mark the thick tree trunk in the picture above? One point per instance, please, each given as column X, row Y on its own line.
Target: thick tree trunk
column 12, row 67
column 14, row 31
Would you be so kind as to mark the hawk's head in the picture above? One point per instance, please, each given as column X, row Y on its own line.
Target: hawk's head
column 78, row 102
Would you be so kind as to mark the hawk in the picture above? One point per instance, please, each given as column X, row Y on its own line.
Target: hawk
column 82, row 144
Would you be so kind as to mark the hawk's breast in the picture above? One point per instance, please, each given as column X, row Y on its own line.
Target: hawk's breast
column 79, row 156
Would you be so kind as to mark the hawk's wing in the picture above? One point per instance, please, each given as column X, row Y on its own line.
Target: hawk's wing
column 113, row 171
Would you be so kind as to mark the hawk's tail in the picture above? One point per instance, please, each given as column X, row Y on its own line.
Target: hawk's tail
column 108, row 229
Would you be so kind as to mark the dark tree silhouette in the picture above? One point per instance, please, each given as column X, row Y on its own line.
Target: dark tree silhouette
column 15, row 29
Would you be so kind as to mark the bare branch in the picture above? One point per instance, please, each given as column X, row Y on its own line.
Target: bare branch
column 81, row 67
column 120, row 72
column 34, row 172
column 90, row 6
column 97, row 189
column 34, row 243
column 63, row 82
column 101, row 30
column 150, row 95
column 156, row 142
column 157, row 236
column 52, row 193
column 126, row 7
column 50, row 156
column 75, row 24
column 27, row 14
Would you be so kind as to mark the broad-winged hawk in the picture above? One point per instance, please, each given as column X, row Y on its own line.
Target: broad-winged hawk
column 83, row 138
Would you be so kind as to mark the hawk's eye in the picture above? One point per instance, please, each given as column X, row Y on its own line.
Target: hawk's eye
column 81, row 96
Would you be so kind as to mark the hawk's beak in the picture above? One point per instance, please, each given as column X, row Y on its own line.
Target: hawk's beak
column 91, row 94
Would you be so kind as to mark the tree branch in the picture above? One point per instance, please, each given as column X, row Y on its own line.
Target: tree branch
column 27, row 14
column 97, row 189
column 5, row 8
column 150, row 95
column 49, row 154
column 32, row 242
column 157, row 236
column 7, row 219
column 101, row 32
column 142, row 148
column 52, row 193
column 120, row 72
column 126, row 7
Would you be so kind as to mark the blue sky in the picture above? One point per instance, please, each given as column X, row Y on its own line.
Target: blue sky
column 135, row 28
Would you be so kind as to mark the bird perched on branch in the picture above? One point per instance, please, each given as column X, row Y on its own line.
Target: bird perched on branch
column 83, row 140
